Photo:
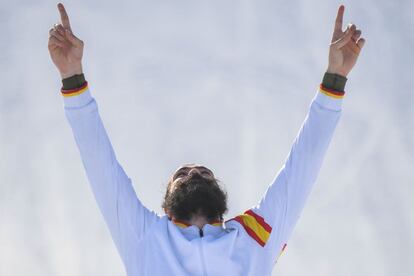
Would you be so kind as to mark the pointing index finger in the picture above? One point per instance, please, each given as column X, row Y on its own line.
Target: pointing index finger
column 64, row 16
column 339, row 18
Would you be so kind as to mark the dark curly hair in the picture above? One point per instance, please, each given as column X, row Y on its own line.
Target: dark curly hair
column 195, row 195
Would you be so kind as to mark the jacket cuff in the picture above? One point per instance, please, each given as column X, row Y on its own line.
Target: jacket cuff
column 77, row 97
column 329, row 98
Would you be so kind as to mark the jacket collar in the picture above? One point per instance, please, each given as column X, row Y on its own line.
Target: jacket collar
column 191, row 232
column 183, row 224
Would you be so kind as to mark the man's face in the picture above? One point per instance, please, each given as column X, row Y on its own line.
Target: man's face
column 187, row 170
column 193, row 191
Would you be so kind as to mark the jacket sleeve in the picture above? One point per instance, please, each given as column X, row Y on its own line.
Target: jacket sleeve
column 274, row 218
column 127, row 219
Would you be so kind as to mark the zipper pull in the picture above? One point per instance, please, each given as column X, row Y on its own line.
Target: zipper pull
column 201, row 232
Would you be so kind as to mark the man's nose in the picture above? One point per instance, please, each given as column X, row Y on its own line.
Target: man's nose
column 193, row 171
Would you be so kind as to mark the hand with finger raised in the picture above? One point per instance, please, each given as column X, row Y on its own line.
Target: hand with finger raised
column 65, row 48
column 345, row 46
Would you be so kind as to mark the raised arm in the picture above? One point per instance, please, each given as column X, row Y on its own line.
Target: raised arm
column 278, row 211
column 126, row 217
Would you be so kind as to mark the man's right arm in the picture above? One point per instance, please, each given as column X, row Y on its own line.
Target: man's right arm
column 127, row 219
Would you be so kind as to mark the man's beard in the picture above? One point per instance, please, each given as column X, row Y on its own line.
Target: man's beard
column 195, row 195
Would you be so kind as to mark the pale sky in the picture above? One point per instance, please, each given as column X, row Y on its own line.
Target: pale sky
column 223, row 83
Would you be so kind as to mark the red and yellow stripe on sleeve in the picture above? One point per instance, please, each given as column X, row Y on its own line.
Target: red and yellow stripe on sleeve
column 331, row 93
column 281, row 251
column 74, row 92
column 255, row 226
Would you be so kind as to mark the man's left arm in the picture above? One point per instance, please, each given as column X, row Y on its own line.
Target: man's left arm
column 271, row 222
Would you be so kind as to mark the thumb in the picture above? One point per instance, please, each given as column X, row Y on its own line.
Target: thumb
column 72, row 38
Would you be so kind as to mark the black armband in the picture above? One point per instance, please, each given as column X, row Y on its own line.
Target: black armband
column 334, row 81
column 76, row 81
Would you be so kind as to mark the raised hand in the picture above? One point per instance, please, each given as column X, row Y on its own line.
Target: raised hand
column 65, row 48
column 345, row 46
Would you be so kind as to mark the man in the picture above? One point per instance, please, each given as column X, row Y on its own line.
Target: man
column 192, row 238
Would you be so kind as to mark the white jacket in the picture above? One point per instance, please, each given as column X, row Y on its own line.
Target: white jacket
column 248, row 244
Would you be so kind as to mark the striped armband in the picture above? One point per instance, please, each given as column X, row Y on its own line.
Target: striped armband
column 255, row 226
column 331, row 93
column 75, row 91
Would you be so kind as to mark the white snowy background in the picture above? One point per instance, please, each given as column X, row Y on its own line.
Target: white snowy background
column 223, row 83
